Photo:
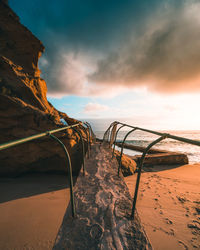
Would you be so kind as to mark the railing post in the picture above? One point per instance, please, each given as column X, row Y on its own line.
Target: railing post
column 122, row 149
column 83, row 149
column 92, row 133
column 88, row 146
column 88, row 133
column 164, row 136
column 107, row 132
column 116, row 139
column 112, row 134
column 70, row 173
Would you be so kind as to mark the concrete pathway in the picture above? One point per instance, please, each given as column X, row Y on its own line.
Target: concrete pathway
column 103, row 207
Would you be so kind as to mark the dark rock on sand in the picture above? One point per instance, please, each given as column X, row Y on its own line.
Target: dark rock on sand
column 128, row 165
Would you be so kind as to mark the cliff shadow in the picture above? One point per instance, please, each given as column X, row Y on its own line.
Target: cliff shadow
column 32, row 184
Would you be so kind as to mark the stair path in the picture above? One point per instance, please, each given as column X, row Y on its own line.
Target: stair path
column 103, row 208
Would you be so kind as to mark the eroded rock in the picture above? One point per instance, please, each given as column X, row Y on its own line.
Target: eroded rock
column 24, row 108
column 128, row 166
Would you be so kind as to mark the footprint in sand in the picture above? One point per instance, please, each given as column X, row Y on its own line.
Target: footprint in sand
column 173, row 200
column 183, row 244
column 157, row 204
column 194, row 243
column 171, row 232
column 187, row 210
column 194, row 225
column 197, row 210
column 181, row 199
column 169, row 222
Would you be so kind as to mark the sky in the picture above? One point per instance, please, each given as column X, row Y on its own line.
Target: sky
column 127, row 60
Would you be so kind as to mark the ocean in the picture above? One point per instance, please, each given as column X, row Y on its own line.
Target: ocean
column 141, row 138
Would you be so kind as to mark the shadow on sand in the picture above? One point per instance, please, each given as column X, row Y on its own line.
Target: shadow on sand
column 159, row 168
column 31, row 184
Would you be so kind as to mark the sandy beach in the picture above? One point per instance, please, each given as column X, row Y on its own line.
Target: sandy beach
column 169, row 205
column 31, row 210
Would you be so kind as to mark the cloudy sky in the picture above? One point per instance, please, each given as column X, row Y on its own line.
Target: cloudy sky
column 125, row 59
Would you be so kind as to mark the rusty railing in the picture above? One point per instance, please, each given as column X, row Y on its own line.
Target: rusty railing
column 50, row 134
column 162, row 136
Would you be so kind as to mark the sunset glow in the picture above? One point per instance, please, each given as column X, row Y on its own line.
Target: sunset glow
column 135, row 61
column 100, row 124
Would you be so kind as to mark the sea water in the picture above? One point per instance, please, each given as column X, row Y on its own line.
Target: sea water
column 140, row 138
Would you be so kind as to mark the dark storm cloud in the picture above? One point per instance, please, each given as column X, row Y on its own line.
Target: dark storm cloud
column 92, row 46
column 165, row 58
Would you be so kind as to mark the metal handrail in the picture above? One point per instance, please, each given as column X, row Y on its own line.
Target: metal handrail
column 88, row 141
column 193, row 142
column 122, row 148
column 50, row 134
column 89, row 134
column 162, row 137
column 111, row 132
column 108, row 130
column 140, row 170
column 70, row 173
column 89, row 128
column 34, row 137
column 116, row 139
column 92, row 133
column 83, row 149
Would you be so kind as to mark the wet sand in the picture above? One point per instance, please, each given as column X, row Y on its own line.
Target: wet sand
column 31, row 210
column 169, row 205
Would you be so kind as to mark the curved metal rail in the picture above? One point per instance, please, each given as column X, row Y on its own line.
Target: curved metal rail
column 34, row 137
column 83, row 148
column 108, row 131
column 116, row 139
column 70, row 173
column 122, row 148
column 162, row 137
column 89, row 134
column 50, row 134
column 88, row 141
column 140, row 170
column 93, row 137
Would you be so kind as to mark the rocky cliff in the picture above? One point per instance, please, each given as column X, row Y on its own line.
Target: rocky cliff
column 24, row 108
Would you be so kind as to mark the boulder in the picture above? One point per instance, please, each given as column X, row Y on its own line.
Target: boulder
column 24, row 108
column 128, row 165
column 170, row 158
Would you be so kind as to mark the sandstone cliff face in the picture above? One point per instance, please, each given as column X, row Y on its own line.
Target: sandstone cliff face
column 24, row 109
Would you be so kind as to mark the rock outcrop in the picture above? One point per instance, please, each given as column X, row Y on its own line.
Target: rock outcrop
column 157, row 156
column 168, row 158
column 128, row 165
column 24, row 108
